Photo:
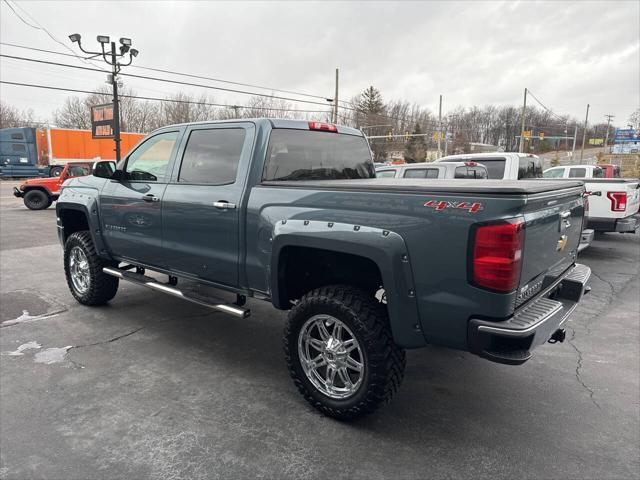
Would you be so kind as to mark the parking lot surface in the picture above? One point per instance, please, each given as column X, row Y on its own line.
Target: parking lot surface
column 152, row 387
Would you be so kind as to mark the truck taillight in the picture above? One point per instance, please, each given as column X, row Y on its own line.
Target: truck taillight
column 325, row 127
column 618, row 201
column 497, row 255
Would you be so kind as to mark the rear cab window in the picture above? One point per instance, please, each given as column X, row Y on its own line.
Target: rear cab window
column 421, row 173
column 315, row 155
column 529, row 167
column 470, row 171
column 598, row 172
column 577, row 172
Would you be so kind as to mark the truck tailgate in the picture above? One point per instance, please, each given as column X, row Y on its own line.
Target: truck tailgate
column 553, row 225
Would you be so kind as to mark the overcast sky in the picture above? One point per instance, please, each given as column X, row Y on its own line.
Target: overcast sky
column 473, row 53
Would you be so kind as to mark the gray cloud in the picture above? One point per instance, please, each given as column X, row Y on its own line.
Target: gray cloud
column 568, row 53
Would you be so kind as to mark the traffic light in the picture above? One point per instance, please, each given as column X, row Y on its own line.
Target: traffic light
column 541, row 135
column 389, row 136
column 406, row 136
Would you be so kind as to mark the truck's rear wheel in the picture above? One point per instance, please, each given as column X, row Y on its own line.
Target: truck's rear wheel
column 55, row 171
column 340, row 352
column 89, row 285
column 36, row 200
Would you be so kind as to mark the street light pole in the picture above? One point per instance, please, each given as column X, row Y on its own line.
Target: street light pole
column 584, row 132
column 524, row 112
column 116, row 102
column 606, row 138
column 112, row 58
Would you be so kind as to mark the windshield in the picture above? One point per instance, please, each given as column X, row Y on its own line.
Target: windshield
column 312, row 155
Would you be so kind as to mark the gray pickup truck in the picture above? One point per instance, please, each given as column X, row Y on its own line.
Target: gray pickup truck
column 291, row 212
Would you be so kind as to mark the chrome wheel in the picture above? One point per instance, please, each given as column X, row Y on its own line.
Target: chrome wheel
column 79, row 270
column 331, row 356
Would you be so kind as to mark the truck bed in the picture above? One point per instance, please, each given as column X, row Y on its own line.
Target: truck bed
column 405, row 185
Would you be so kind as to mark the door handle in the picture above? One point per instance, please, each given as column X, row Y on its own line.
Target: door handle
column 224, row 205
column 566, row 214
column 150, row 197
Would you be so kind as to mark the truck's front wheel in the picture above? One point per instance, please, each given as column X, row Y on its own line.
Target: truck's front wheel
column 341, row 353
column 89, row 285
column 36, row 200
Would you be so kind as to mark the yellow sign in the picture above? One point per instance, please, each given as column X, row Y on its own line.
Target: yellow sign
column 527, row 134
column 596, row 141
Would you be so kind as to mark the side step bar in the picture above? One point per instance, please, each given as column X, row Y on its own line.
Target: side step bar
column 152, row 283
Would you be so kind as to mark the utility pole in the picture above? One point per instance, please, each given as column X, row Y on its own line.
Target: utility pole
column 606, row 138
column 439, row 126
column 335, row 101
column 235, row 110
column 524, row 111
column 573, row 149
column 111, row 58
column 584, row 133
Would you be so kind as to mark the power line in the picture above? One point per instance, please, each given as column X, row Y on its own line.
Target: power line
column 172, row 72
column 544, row 106
column 43, row 29
column 156, row 99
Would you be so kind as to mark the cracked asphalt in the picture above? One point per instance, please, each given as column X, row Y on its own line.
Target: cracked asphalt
column 151, row 387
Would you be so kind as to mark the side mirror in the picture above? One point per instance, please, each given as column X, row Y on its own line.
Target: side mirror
column 104, row 169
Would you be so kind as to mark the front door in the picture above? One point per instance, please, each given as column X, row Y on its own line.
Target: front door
column 201, row 206
column 131, row 209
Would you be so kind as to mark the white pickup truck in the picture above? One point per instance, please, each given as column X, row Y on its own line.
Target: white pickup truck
column 614, row 203
column 433, row 170
column 514, row 166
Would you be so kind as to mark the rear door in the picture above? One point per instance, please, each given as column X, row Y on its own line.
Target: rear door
column 201, row 207
column 131, row 208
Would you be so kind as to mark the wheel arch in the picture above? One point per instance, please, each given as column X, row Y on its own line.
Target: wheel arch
column 365, row 254
column 74, row 217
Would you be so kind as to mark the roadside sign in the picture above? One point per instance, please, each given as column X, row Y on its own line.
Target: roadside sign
column 102, row 121
column 527, row 134
column 596, row 141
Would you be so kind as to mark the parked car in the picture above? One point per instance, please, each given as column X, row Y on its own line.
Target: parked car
column 583, row 171
column 514, row 166
column 614, row 203
column 434, row 170
column 290, row 212
column 40, row 193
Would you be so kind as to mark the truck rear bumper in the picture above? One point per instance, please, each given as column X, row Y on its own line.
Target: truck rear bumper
column 511, row 341
column 18, row 193
column 623, row 225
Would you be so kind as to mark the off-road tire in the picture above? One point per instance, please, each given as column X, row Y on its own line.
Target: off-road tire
column 36, row 200
column 368, row 320
column 102, row 287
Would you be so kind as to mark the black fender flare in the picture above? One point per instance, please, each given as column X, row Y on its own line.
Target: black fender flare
column 385, row 248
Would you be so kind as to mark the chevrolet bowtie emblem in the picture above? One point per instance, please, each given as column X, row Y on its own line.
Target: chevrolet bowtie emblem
column 562, row 242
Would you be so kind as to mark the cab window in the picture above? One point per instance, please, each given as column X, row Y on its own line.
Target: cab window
column 421, row 173
column 554, row 173
column 529, row 167
column 385, row 174
column 470, row 171
column 150, row 160
column 577, row 172
column 212, row 156
column 598, row 172
column 78, row 170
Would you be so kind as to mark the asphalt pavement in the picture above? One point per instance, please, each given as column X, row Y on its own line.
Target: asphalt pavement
column 152, row 387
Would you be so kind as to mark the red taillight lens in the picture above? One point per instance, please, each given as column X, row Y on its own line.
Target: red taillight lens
column 325, row 127
column 618, row 201
column 497, row 255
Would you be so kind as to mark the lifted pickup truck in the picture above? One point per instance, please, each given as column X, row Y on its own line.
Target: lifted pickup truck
column 40, row 193
column 291, row 212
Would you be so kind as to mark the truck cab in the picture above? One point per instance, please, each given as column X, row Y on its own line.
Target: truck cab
column 433, row 170
column 18, row 154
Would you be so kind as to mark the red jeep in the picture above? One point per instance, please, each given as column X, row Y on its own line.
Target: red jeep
column 40, row 193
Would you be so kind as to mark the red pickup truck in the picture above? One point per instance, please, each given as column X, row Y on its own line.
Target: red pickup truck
column 40, row 193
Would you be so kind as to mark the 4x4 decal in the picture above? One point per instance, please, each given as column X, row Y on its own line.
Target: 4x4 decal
column 443, row 204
